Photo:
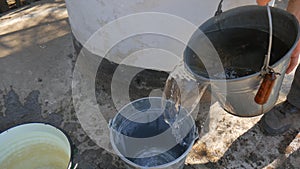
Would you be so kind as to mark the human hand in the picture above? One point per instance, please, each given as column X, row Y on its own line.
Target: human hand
column 294, row 59
column 262, row 2
column 293, row 7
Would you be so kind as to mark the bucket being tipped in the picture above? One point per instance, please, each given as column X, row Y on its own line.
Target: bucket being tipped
column 141, row 137
column 240, row 37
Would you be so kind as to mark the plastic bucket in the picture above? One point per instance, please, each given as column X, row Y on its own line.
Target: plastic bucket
column 142, row 138
column 34, row 146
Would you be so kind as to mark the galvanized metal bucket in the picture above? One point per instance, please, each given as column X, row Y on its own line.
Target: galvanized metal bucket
column 141, row 137
column 34, row 145
column 238, row 98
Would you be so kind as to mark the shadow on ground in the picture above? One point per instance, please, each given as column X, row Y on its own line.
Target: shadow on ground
column 254, row 149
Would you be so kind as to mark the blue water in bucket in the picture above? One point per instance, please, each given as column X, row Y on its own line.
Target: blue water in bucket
column 142, row 138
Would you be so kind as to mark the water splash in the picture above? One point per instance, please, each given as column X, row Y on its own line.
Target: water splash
column 233, row 73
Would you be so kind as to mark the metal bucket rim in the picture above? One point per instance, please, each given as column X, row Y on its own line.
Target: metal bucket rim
column 257, row 74
column 182, row 156
column 158, row 166
column 60, row 132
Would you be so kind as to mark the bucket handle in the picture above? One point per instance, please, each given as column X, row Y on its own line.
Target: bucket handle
column 70, row 165
column 109, row 123
column 219, row 9
column 196, row 134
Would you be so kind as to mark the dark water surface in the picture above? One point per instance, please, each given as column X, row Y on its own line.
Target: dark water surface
column 242, row 52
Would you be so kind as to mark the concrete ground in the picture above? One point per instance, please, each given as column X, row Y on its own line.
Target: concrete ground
column 36, row 62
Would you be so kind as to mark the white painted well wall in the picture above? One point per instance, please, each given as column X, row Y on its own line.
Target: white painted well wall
column 86, row 17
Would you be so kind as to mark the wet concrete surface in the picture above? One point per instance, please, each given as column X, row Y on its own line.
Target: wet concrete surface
column 36, row 63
